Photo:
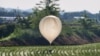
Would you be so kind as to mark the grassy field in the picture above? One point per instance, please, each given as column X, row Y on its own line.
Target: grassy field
column 78, row 50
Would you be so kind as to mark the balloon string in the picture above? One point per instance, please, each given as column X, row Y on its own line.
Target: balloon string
column 50, row 49
column 50, row 45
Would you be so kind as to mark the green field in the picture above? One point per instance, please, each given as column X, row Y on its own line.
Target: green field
column 76, row 50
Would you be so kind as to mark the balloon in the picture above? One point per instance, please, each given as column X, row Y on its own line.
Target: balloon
column 50, row 27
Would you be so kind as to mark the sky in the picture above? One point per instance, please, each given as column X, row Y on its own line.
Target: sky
column 67, row 5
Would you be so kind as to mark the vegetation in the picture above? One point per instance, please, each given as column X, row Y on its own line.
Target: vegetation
column 22, row 34
column 79, row 50
column 12, row 12
column 24, row 31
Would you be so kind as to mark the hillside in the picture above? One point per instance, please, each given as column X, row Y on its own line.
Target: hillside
column 10, row 12
column 74, row 32
column 67, row 37
column 69, row 16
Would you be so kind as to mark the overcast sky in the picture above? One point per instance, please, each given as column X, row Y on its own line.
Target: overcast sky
column 67, row 5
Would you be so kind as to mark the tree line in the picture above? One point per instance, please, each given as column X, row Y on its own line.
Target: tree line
column 12, row 12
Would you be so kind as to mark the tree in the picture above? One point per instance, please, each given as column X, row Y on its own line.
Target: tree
column 49, row 7
column 86, row 22
column 42, row 9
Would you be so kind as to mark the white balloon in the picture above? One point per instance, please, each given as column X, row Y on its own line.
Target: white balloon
column 50, row 27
